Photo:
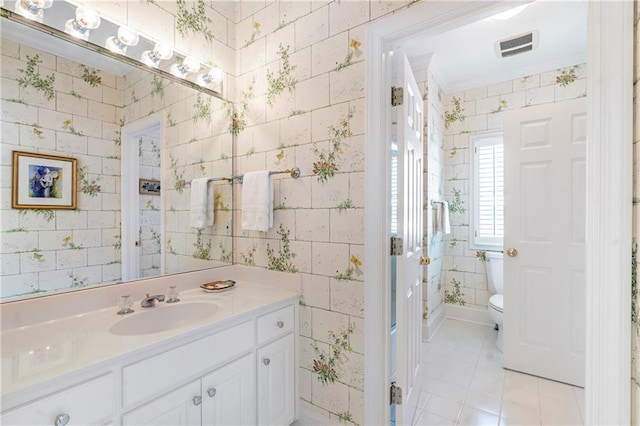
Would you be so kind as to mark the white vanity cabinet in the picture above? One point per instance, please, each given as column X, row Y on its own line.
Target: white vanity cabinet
column 224, row 397
column 91, row 402
column 238, row 371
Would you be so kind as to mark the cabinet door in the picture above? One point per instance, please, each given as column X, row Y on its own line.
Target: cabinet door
column 276, row 382
column 229, row 394
column 179, row 407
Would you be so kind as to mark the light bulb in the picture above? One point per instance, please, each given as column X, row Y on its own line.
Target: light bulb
column 32, row 9
column 189, row 65
column 153, row 57
column 126, row 37
column 214, row 75
column 86, row 19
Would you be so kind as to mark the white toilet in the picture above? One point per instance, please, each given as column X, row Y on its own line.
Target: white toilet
column 495, row 279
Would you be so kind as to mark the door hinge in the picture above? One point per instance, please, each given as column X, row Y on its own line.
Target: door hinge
column 396, row 246
column 397, row 96
column 396, row 394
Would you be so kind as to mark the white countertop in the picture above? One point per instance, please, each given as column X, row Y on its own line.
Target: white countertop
column 40, row 352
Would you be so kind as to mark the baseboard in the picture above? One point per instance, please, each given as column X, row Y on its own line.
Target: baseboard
column 433, row 323
column 468, row 313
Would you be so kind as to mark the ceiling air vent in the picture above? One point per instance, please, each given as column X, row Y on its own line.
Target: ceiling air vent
column 518, row 44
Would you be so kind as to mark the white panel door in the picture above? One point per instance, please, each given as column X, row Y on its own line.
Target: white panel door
column 229, row 394
column 408, row 326
column 544, row 283
column 180, row 407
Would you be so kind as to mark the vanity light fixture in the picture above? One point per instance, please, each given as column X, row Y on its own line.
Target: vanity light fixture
column 86, row 19
column 32, row 9
column 126, row 37
column 159, row 53
column 189, row 65
column 214, row 75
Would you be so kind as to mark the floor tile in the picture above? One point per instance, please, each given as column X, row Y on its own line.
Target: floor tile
column 473, row 416
column 443, row 407
column 483, row 401
column 427, row 419
column 463, row 381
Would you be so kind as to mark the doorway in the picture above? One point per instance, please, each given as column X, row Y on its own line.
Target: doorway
column 607, row 377
column 142, row 202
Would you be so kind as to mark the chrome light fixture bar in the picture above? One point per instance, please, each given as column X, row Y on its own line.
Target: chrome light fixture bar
column 147, row 54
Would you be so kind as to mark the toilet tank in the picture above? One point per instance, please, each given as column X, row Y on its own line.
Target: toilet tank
column 494, row 271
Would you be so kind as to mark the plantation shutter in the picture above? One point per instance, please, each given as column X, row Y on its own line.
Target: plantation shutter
column 488, row 188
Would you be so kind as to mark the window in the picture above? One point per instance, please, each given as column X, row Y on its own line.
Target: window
column 487, row 191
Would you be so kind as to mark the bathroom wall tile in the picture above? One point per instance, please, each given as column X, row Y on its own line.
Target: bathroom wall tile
column 312, row 28
column 348, row 83
column 305, row 321
column 329, row 259
column 332, row 396
column 347, row 226
column 526, row 83
column 316, row 291
column 304, row 383
column 326, row 321
column 72, row 259
column 347, row 297
column 322, row 118
column 312, row 93
column 330, row 193
column 295, row 130
column 541, row 95
column 312, row 225
column 19, row 284
column 352, row 371
column 345, row 15
column 356, row 405
column 284, row 37
column 500, row 88
column 327, row 53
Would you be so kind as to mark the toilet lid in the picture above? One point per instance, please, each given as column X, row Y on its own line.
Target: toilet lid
column 496, row 302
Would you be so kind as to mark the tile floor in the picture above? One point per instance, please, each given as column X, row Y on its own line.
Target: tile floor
column 463, row 382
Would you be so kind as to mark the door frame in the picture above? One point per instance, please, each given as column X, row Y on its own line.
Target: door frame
column 609, row 193
column 130, row 197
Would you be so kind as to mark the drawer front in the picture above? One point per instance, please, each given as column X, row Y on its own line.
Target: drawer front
column 161, row 373
column 275, row 324
column 92, row 402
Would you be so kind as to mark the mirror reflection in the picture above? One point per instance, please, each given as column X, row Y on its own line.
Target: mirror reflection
column 138, row 140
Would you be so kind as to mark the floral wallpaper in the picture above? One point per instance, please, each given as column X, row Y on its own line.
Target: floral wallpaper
column 52, row 105
column 299, row 95
column 55, row 106
column 473, row 111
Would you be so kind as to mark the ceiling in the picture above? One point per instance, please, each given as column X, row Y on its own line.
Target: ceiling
column 466, row 57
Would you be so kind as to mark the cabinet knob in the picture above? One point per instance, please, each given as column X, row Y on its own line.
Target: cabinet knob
column 280, row 324
column 62, row 419
column 197, row 400
column 211, row 392
column 266, row 361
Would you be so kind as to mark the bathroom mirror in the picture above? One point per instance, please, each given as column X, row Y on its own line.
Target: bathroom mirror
column 130, row 131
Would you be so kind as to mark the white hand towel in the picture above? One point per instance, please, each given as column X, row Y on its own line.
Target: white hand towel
column 201, row 203
column 446, row 224
column 257, row 201
column 437, row 218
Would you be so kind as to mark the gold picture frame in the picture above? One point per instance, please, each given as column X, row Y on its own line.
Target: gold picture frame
column 43, row 181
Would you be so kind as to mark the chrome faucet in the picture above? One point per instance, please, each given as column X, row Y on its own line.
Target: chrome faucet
column 150, row 301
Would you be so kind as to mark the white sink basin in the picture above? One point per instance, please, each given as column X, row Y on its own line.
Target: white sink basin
column 163, row 317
